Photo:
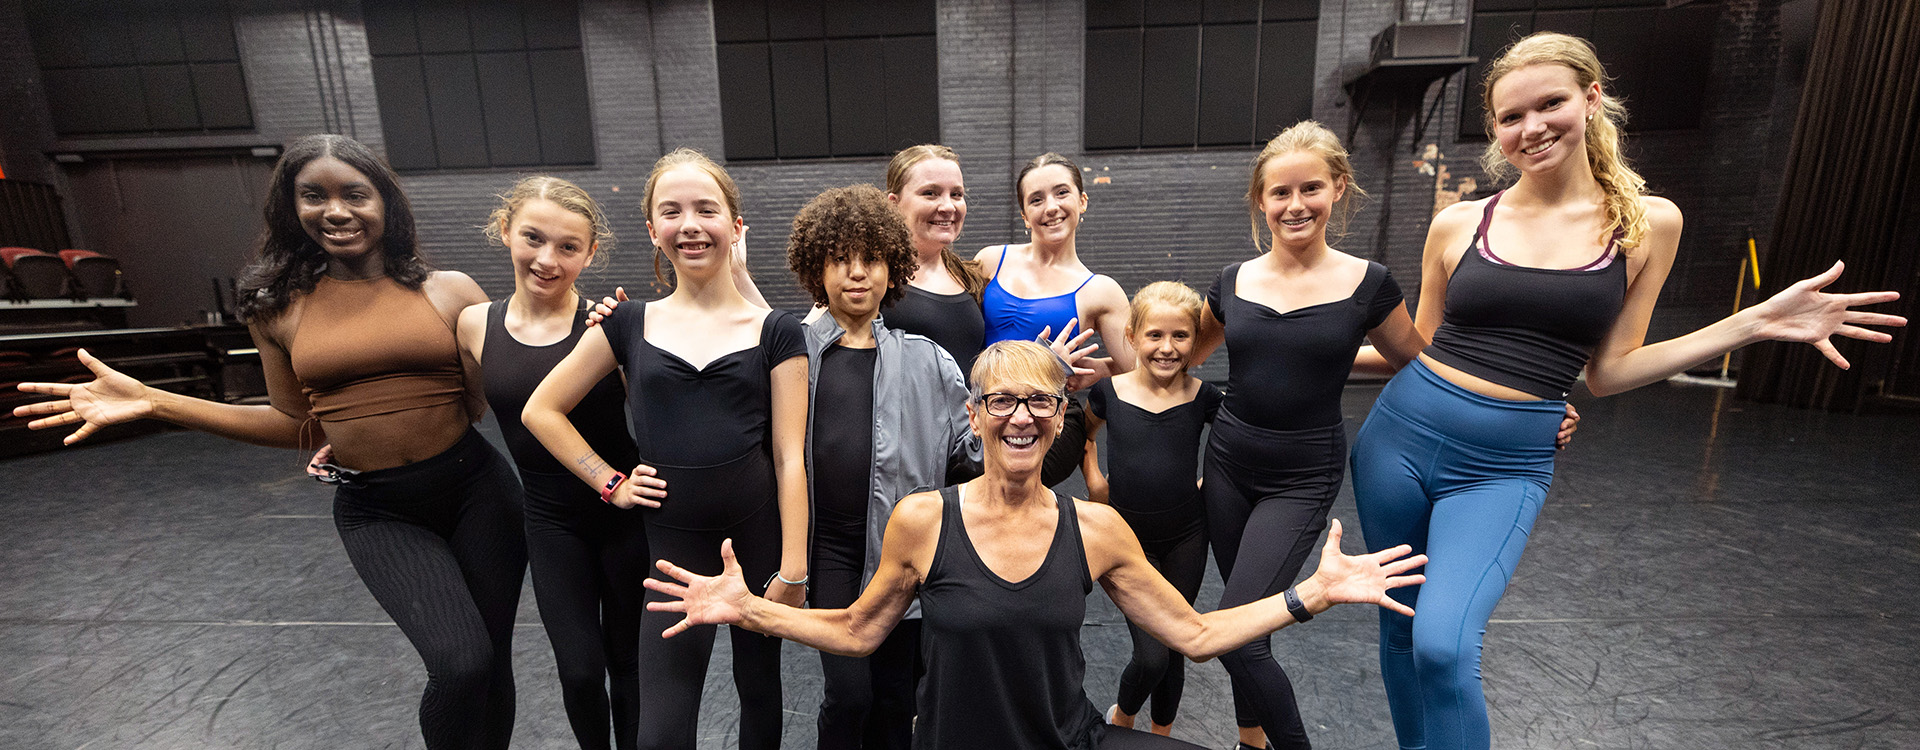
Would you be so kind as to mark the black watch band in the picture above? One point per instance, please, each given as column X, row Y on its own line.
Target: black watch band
column 1296, row 607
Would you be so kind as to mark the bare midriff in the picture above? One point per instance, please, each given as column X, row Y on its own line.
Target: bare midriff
column 1475, row 383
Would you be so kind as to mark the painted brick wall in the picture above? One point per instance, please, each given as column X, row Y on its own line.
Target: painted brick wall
column 1011, row 81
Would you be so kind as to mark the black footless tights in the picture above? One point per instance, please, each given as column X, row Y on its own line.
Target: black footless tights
column 676, row 668
column 867, row 701
column 1155, row 669
column 439, row 544
column 588, row 561
column 1267, row 494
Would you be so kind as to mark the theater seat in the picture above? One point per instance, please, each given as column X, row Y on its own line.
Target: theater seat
column 32, row 274
column 98, row 275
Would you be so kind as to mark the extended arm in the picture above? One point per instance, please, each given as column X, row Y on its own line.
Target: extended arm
column 1799, row 313
column 1393, row 343
column 112, row 398
column 855, row 631
column 1149, row 601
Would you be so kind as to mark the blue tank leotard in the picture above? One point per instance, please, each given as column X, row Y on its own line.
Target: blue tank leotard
column 1018, row 318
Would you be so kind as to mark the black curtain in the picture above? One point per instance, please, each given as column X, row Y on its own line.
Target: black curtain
column 1850, row 180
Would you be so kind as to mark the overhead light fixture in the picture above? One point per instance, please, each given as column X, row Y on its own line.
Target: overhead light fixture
column 68, row 158
column 266, row 152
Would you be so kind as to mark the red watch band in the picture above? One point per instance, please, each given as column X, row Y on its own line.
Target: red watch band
column 606, row 492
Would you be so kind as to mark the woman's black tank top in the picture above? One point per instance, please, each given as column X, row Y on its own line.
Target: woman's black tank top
column 512, row 370
column 954, row 321
column 1529, row 329
column 1004, row 666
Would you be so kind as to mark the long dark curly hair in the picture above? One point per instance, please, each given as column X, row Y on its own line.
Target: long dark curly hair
column 850, row 222
column 290, row 262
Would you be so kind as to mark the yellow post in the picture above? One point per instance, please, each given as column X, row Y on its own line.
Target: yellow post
column 1751, row 261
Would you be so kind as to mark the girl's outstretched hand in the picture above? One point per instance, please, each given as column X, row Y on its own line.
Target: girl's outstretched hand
column 1365, row 579
column 705, row 600
column 1072, row 349
column 1804, row 313
column 110, row 398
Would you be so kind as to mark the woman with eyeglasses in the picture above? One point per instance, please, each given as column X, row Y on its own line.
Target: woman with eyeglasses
column 1002, row 567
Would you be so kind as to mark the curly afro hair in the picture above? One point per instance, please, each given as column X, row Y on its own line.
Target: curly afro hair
column 850, row 222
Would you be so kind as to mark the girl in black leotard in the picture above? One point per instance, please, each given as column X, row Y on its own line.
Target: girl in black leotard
column 1002, row 567
column 1157, row 412
column 1295, row 318
column 588, row 557
column 718, row 406
column 356, row 338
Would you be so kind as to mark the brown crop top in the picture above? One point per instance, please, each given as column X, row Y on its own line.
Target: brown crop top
column 373, row 347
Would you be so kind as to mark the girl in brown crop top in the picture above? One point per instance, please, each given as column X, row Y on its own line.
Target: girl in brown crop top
column 356, row 337
column 1550, row 119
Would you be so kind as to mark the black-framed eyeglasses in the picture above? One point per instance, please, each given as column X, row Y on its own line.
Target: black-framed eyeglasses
column 1040, row 405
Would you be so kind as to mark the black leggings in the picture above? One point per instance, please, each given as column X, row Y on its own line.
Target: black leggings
column 867, row 701
column 1267, row 492
column 439, row 545
column 1155, row 669
column 677, row 666
column 588, row 561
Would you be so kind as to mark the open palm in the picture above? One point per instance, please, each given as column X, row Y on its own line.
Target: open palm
column 1805, row 314
column 705, row 600
column 110, row 398
column 1365, row 579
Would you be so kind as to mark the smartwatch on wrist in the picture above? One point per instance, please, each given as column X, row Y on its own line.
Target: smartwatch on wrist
column 606, row 492
column 1296, row 607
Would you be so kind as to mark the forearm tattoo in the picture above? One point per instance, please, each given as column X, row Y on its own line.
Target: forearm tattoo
column 591, row 463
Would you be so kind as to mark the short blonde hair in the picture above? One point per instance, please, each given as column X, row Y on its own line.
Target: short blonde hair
column 1171, row 294
column 1021, row 362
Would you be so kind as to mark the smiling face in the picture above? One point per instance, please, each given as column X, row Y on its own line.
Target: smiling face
column 689, row 220
column 1015, row 444
column 1051, row 203
column 340, row 209
column 1163, row 339
column 1540, row 114
column 1297, row 196
column 933, row 201
column 549, row 246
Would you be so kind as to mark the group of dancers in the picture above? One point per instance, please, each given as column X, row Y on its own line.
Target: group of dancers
column 873, row 481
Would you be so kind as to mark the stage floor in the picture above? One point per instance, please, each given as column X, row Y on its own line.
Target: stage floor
column 1706, row 574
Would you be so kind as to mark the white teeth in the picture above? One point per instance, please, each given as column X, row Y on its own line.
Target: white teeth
column 1021, row 442
column 1538, row 147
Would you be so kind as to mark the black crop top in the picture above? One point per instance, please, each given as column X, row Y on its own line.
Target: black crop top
column 954, row 321
column 512, row 370
column 1285, row 370
column 700, row 417
column 1530, row 329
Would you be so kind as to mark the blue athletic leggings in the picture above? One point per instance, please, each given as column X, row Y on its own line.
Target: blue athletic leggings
column 1460, row 477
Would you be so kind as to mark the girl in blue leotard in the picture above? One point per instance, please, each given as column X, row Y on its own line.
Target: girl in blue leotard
column 1041, row 286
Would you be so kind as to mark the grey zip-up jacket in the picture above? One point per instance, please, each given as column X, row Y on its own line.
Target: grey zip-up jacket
column 919, row 423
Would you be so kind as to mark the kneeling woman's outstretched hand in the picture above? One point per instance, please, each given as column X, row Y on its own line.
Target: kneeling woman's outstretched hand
column 1365, row 579
column 705, row 600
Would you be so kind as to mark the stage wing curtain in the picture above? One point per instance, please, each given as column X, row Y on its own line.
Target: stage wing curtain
column 1850, row 177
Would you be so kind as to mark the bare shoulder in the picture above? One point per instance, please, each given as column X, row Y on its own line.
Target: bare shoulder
column 917, row 515
column 454, row 286
column 1459, row 216
column 1662, row 215
column 1106, row 292
column 986, row 257
column 1099, row 521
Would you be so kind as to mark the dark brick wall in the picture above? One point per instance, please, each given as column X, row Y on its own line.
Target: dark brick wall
column 1010, row 87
